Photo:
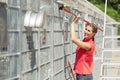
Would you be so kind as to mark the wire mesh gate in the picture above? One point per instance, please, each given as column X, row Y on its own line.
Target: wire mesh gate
column 110, row 63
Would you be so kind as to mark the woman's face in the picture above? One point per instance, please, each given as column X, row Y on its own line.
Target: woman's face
column 88, row 33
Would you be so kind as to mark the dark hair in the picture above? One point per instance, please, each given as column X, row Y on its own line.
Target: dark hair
column 94, row 28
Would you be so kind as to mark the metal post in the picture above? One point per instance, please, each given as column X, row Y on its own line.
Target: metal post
column 38, row 57
column 103, row 43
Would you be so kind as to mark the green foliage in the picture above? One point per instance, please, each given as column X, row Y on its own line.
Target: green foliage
column 113, row 8
column 113, row 1
column 100, row 6
column 118, row 8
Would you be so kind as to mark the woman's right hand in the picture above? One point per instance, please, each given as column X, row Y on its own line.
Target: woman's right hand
column 76, row 18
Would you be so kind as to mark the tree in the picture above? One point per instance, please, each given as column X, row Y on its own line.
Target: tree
column 118, row 8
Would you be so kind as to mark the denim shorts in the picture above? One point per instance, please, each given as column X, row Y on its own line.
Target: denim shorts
column 84, row 77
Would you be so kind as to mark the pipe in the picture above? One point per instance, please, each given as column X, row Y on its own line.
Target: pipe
column 64, row 7
column 71, row 70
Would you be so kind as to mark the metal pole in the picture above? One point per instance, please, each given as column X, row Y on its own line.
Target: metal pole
column 103, row 44
column 64, row 8
column 71, row 70
column 104, row 28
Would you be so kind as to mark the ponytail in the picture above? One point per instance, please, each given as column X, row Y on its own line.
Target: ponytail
column 93, row 39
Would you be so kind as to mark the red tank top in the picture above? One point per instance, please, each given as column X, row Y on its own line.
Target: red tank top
column 84, row 59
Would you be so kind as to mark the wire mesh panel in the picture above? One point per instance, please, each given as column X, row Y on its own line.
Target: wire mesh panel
column 111, row 54
column 41, row 52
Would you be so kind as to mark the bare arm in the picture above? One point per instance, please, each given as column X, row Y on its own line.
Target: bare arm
column 75, row 40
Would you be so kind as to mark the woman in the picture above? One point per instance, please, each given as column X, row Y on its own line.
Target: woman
column 84, row 53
